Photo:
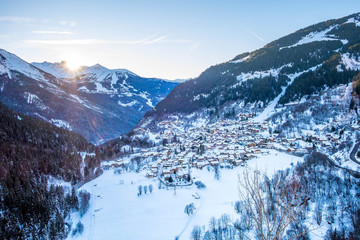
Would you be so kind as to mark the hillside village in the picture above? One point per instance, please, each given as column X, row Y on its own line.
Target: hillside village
column 225, row 144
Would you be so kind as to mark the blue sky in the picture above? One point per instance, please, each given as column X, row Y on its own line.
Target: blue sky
column 166, row 39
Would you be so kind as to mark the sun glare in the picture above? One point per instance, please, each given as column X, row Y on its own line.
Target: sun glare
column 72, row 65
column 73, row 61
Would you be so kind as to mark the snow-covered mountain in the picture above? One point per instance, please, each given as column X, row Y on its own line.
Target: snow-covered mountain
column 95, row 72
column 97, row 102
column 286, row 70
column 296, row 98
column 59, row 70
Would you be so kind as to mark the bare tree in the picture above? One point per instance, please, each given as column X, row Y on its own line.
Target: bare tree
column 196, row 233
column 270, row 205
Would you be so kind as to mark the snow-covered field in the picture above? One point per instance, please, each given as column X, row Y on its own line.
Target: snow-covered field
column 116, row 212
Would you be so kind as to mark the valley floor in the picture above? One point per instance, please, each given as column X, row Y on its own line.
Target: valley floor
column 116, row 212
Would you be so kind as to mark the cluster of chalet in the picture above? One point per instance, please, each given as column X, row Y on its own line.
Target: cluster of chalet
column 310, row 141
column 225, row 143
column 169, row 165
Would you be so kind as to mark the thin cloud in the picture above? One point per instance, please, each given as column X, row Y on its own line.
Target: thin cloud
column 66, row 42
column 16, row 19
column 68, row 23
column 150, row 40
column 145, row 41
column 52, row 32
column 195, row 46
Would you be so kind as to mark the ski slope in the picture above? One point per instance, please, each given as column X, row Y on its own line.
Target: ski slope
column 270, row 109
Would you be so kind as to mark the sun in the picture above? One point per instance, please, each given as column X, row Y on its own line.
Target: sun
column 72, row 65
column 73, row 60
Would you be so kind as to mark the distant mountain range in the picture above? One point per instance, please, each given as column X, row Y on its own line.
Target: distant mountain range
column 286, row 70
column 97, row 102
column 101, row 103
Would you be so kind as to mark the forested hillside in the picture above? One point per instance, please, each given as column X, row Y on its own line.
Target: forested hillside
column 38, row 165
column 314, row 58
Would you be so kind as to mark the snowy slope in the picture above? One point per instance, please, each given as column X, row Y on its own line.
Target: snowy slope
column 10, row 62
column 58, row 70
column 279, row 73
column 99, row 72
column 116, row 207
column 96, row 72
column 270, row 108
column 261, row 74
column 318, row 36
column 350, row 63
column 99, row 79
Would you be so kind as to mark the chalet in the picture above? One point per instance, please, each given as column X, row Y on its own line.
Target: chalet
column 290, row 150
column 167, row 165
column 149, row 175
column 252, row 144
column 238, row 162
column 201, row 165
column 214, row 162
column 167, row 177
column 154, row 169
column 257, row 151
column 201, row 159
column 116, row 165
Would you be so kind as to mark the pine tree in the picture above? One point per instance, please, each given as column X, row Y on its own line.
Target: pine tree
column 74, row 199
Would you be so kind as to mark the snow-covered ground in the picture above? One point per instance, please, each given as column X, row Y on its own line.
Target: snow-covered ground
column 243, row 77
column 350, row 63
column 318, row 36
column 61, row 123
column 241, row 60
column 116, row 212
column 270, row 109
column 12, row 62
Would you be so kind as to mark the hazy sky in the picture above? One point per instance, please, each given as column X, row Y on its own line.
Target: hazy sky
column 166, row 39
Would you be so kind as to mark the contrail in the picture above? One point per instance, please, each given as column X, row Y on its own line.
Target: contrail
column 254, row 34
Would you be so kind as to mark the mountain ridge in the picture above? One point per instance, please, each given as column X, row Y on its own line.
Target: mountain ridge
column 60, row 69
column 100, row 104
column 250, row 81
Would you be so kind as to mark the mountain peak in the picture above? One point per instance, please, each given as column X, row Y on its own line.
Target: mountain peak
column 93, row 67
column 57, row 69
column 62, row 63
column 11, row 62
column 98, row 66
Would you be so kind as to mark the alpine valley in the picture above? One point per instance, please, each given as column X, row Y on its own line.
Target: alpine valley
column 99, row 103
column 263, row 146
